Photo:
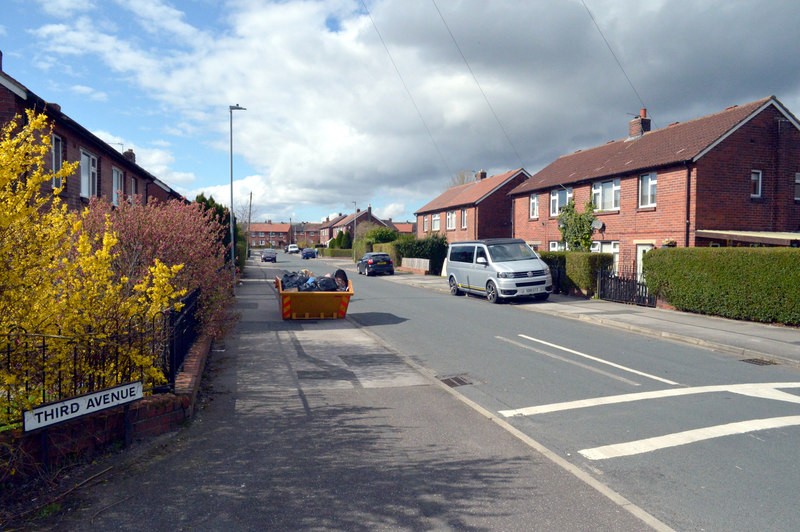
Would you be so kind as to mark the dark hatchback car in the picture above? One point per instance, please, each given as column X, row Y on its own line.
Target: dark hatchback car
column 374, row 263
column 269, row 255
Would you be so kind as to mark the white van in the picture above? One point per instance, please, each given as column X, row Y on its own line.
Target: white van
column 497, row 268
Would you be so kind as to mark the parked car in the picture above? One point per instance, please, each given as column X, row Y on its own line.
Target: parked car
column 497, row 268
column 309, row 253
column 292, row 248
column 375, row 262
column 269, row 255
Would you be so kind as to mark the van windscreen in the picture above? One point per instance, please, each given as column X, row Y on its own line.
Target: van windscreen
column 510, row 252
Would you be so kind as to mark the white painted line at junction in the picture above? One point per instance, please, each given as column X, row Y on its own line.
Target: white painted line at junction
column 600, row 360
column 768, row 390
column 690, row 436
column 569, row 361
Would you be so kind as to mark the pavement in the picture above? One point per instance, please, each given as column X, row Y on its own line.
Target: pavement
column 317, row 425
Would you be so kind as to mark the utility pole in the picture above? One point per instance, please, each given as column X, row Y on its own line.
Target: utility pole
column 249, row 214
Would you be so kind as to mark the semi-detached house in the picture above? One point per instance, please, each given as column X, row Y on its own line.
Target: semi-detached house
column 103, row 171
column 727, row 179
column 478, row 209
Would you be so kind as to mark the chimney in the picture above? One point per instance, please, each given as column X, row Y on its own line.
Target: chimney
column 369, row 208
column 1, row 60
column 639, row 125
column 128, row 154
column 481, row 175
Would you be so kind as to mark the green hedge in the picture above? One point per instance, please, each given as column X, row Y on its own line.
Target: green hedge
column 754, row 284
column 332, row 252
column 391, row 249
column 433, row 248
column 579, row 269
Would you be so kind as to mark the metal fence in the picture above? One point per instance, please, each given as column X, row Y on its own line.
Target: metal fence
column 624, row 286
column 38, row 368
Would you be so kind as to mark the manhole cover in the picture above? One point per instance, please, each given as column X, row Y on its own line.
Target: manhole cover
column 456, row 380
column 760, row 362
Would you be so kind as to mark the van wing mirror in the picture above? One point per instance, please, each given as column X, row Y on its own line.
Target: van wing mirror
column 481, row 260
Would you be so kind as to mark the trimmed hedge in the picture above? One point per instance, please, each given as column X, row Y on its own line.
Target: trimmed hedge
column 579, row 269
column 433, row 248
column 754, row 284
column 391, row 249
column 333, row 252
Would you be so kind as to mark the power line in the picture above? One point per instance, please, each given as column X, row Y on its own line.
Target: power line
column 408, row 91
column 619, row 64
column 521, row 164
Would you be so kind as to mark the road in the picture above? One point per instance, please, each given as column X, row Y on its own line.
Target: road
column 700, row 440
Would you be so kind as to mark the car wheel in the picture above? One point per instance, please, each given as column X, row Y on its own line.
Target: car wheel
column 367, row 272
column 541, row 297
column 454, row 290
column 491, row 293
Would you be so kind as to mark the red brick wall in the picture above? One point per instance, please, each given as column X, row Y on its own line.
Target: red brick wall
column 724, row 200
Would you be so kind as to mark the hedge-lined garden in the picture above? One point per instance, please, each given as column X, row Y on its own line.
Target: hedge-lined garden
column 755, row 284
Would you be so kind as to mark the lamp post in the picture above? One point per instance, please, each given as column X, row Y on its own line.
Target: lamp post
column 355, row 221
column 231, row 109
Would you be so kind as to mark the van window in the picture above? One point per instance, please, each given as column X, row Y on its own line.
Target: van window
column 481, row 253
column 510, row 252
column 462, row 254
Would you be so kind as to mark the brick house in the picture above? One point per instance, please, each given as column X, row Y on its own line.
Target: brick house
column 352, row 221
column 479, row 209
column 326, row 233
column 727, row 179
column 268, row 234
column 307, row 233
column 103, row 170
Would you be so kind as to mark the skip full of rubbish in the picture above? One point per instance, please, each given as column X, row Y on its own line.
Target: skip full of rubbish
column 304, row 296
column 306, row 281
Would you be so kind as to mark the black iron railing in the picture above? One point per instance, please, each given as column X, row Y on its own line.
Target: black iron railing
column 623, row 286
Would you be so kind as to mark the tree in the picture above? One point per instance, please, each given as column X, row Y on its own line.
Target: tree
column 222, row 215
column 462, row 178
column 576, row 228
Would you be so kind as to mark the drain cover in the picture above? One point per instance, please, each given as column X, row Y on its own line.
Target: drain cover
column 759, row 362
column 456, row 380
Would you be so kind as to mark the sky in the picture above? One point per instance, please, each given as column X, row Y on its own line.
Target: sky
column 383, row 102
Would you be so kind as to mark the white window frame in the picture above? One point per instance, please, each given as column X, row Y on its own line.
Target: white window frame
column 451, row 220
column 555, row 199
column 425, row 223
column 133, row 189
column 600, row 191
column 533, row 209
column 556, row 245
column 117, row 180
column 797, row 186
column 435, row 222
column 56, row 149
column 88, row 166
column 648, row 197
column 464, row 218
column 755, row 183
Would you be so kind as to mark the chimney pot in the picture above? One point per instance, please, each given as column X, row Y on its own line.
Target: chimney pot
column 481, row 175
column 639, row 125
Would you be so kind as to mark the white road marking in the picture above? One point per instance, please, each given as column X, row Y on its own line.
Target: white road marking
column 600, row 360
column 768, row 390
column 690, row 436
column 569, row 361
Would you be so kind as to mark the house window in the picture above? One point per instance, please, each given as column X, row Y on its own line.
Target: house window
column 599, row 246
column 116, row 179
column 647, row 190
column 464, row 217
column 558, row 246
column 56, row 150
column 534, row 206
column 605, row 195
column 451, row 220
column 88, row 166
column 435, row 222
column 797, row 187
column 755, row 183
column 134, row 188
column 425, row 223
column 559, row 199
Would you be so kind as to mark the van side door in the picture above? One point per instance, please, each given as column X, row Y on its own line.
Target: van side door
column 481, row 270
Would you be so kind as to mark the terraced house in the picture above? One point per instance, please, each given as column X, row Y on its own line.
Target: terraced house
column 727, row 179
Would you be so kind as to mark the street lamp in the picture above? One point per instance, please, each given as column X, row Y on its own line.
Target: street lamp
column 231, row 109
column 355, row 221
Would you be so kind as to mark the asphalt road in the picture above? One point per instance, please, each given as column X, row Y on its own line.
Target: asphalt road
column 696, row 438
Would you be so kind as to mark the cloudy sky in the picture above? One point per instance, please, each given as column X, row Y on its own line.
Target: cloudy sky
column 381, row 102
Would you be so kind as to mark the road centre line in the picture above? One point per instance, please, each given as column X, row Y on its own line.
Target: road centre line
column 769, row 390
column 569, row 361
column 600, row 360
column 690, row 436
